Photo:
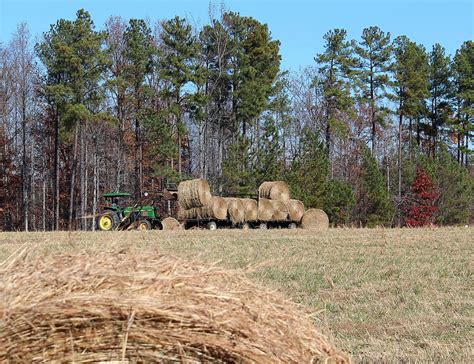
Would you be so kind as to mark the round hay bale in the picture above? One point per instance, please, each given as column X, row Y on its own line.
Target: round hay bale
column 251, row 209
column 219, row 208
column 147, row 307
column 315, row 219
column 280, row 210
column 295, row 210
column 265, row 209
column 276, row 190
column 170, row 223
column 194, row 193
column 236, row 210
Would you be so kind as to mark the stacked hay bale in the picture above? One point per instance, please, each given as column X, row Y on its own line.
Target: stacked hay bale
column 273, row 198
column 194, row 193
column 251, row 209
column 196, row 202
column 295, row 210
column 147, row 307
column 236, row 210
column 216, row 209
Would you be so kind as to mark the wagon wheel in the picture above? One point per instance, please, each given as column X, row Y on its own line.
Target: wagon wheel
column 144, row 225
column 211, row 225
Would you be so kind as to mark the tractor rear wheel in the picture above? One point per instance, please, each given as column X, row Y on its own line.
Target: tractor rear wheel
column 108, row 221
column 144, row 225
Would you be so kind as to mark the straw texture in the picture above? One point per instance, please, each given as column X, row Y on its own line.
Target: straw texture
column 275, row 190
column 295, row 210
column 251, row 209
column 217, row 209
column 280, row 210
column 235, row 209
column 194, row 193
column 315, row 219
column 147, row 308
column 265, row 209
column 170, row 223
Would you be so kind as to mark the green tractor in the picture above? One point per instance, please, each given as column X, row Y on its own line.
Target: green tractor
column 116, row 217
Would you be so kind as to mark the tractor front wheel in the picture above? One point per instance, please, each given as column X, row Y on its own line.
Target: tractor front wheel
column 144, row 225
column 107, row 221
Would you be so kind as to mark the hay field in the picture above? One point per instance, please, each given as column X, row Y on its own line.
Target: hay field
column 397, row 295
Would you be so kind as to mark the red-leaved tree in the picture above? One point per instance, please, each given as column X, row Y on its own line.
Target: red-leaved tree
column 422, row 209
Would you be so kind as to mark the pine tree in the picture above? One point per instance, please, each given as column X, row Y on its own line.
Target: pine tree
column 255, row 63
column 237, row 180
column 375, row 53
column 375, row 200
column 336, row 65
column 440, row 91
column 309, row 171
column 410, row 73
column 464, row 94
column 139, row 53
column 339, row 201
column 456, row 188
column 74, row 61
column 424, row 194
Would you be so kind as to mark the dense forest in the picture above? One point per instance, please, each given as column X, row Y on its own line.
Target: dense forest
column 377, row 131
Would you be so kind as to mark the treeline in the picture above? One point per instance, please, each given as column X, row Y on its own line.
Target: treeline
column 136, row 105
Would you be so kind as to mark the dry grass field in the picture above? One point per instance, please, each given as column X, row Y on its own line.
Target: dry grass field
column 391, row 295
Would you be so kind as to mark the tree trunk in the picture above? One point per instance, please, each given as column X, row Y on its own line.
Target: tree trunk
column 399, row 169
column 137, row 153
column 24, row 166
column 95, row 183
column 73, row 177
column 56, row 172
column 372, row 110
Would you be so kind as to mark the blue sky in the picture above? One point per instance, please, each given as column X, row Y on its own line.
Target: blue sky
column 298, row 24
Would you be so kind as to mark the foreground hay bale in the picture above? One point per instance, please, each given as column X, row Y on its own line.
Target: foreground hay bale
column 251, row 209
column 170, row 223
column 276, row 190
column 236, row 210
column 147, row 308
column 315, row 219
column 280, row 210
column 295, row 210
column 194, row 193
column 265, row 209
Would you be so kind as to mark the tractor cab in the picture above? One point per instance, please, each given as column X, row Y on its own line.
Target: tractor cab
column 113, row 211
column 112, row 202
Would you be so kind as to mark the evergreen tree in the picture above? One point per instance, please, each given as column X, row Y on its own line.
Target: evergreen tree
column 139, row 54
column 178, row 54
column 74, row 61
column 309, row 171
column 375, row 200
column 375, row 53
column 237, row 180
column 336, row 65
column 456, row 187
column 255, row 63
column 440, row 91
column 464, row 94
column 410, row 73
column 339, row 201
